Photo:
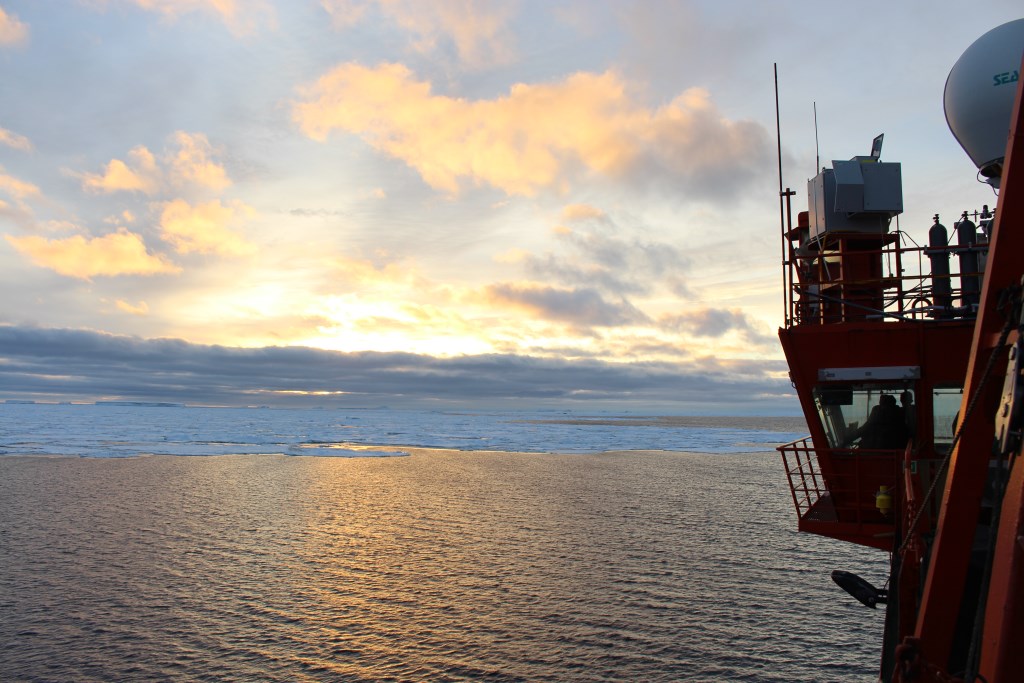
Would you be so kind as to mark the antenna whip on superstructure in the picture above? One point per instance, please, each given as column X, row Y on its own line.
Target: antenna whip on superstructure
column 817, row 156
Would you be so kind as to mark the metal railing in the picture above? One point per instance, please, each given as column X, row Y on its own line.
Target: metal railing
column 839, row 485
column 903, row 286
column 805, row 481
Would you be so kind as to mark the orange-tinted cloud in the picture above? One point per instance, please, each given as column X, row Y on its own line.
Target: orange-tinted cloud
column 140, row 309
column 119, row 253
column 13, row 32
column 187, row 162
column 190, row 163
column 242, row 17
column 537, row 136
column 17, row 188
column 205, row 228
column 477, row 30
column 13, row 139
column 581, row 212
column 141, row 176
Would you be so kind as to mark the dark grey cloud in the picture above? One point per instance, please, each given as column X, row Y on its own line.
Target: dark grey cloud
column 717, row 322
column 706, row 160
column 615, row 264
column 60, row 364
column 582, row 307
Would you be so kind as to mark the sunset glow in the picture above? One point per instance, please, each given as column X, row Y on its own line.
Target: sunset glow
column 562, row 184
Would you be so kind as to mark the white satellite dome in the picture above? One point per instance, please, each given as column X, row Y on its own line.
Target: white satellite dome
column 979, row 96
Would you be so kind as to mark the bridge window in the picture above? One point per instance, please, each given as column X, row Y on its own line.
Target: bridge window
column 877, row 416
column 945, row 416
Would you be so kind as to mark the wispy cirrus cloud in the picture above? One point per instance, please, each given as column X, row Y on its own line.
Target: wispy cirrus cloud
column 15, row 141
column 78, row 256
column 617, row 264
column 584, row 307
column 477, row 30
column 141, row 308
column 242, row 17
column 715, row 323
column 538, row 137
column 582, row 212
column 17, row 188
column 593, row 249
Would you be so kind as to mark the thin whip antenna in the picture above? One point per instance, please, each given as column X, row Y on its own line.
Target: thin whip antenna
column 783, row 199
column 778, row 125
column 817, row 157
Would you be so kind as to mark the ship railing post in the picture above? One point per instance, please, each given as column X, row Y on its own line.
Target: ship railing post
column 857, row 486
column 802, row 476
column 789, row 477
column 815, row 468
column 899, row 275
column 806, row 470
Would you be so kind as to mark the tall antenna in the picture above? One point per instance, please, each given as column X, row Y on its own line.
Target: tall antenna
column 783, row 204
column 778, row 125
column 817, row 158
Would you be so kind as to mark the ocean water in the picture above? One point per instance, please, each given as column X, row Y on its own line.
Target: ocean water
column 505, row 547
column 127, row 431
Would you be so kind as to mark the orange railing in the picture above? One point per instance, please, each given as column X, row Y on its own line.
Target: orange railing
column 902, row 286
column 805, row 480
column 839, row 486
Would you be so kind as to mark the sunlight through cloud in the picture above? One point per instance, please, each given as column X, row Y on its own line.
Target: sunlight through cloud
column 205, row 228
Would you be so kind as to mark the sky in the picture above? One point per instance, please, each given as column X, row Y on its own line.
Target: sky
column 455, row 203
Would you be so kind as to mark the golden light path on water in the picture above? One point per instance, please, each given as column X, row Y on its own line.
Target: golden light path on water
column 444, row 565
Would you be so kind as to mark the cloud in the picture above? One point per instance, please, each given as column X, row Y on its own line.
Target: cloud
column 583, row 307
column 119, row 253
column 19, row 214
column 13, row 139
column 140, row 308
column 53, row 364
column 477, row 30
column 17, row 188
column 615, row 264
column 716, row 323
column 186, row 163
column 13, row 32
column 538, row 137
column 190, row 163
column 582, row 212
column 346, row 13
column 205, row 228
column 120, row 177
column 242, row 17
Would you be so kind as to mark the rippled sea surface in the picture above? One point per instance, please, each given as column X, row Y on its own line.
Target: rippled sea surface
column 443, row 565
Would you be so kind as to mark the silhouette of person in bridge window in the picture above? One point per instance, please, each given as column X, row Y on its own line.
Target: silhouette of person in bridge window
column 886, row 427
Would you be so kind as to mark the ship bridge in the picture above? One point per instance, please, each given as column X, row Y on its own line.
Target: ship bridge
column 877, row 334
